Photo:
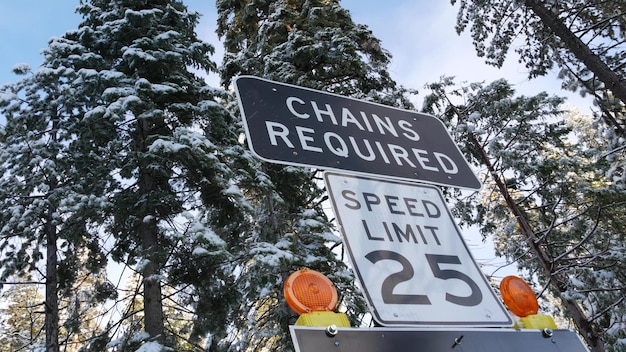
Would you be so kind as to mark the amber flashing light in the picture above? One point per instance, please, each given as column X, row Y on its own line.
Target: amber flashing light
column 308, row 291
column 518, row 296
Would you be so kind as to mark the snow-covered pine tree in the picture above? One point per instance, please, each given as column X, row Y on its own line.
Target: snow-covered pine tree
column 312, row 44
column 175, row 202
column 47, row 185
column 583, row 40
column 549, row 202
column 115, row 138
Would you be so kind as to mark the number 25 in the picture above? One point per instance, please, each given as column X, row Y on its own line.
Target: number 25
column 408, row 272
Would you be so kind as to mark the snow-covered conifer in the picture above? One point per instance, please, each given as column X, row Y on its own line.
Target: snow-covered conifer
column 313, row 44
column 115, row 144
column 550, row 202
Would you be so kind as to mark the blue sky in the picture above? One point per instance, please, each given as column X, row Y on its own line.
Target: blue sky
column 26, row 26
column 419, row 34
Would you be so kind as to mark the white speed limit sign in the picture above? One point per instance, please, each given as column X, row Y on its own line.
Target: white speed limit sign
column 409, row 255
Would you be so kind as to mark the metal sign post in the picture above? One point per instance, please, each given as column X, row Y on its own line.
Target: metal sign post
column 298, row 126
column 409, row 255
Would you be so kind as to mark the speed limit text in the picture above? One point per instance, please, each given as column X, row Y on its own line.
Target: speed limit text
column 407, row 207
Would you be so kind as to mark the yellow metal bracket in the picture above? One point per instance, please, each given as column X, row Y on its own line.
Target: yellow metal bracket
column 323, row 319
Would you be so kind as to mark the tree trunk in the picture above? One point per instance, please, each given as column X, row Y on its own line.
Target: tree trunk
column 51, row 323
column 556, row 280
column 153, row 308
column 582, row 52
column 148, row 230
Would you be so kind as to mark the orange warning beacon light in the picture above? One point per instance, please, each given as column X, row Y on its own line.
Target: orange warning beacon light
column 520, row 299
column 308, row 290
column 314, row 297
column 518, row 296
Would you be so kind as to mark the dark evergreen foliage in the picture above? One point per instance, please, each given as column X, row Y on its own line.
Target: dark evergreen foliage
column 312, row 44
column 115, row 136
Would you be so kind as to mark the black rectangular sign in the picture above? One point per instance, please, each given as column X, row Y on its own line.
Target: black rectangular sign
column 435, row 340
column 299, row 126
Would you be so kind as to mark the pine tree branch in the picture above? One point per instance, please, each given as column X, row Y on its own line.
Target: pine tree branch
column 580, row 50
column 555, row 279
column 599, row 314
column 22, row 283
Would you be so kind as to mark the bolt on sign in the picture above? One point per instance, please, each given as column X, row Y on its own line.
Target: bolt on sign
column 409, row 255
column 299, row 126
